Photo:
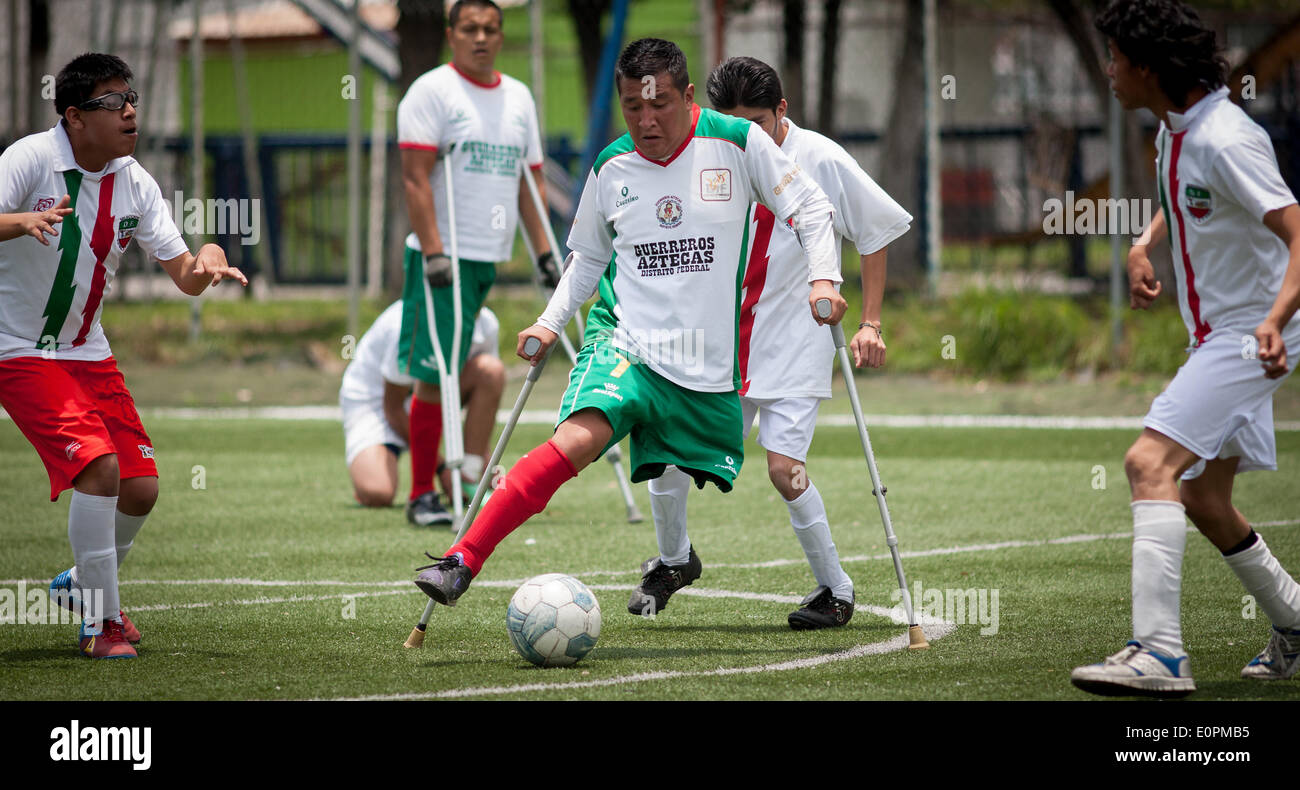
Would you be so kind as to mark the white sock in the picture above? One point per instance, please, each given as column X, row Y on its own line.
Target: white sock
column 91, row 533
column 808, row 517
column 668, row 507
column 1263, row 577
column 471, row 468
column 125, row 528
column 1159, row 539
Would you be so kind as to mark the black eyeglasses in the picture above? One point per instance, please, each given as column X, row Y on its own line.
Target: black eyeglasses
column 112, row 101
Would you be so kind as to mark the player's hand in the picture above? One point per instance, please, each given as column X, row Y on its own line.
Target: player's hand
column 823, row 289
column 1143, row 287
column 1272, row 350
column 868, row 347
column 546, row 336
column 548, row 273
column 211, row 262
column 38, row 223
column 437, row 270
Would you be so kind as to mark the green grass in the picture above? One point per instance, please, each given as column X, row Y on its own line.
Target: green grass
column 276, row 506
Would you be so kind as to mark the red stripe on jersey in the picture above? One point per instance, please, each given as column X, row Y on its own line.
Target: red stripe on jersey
column 496, row 77
column 755, row 278
column 101, row 243
column 418, row 147
column 1193, row 298
column 695, row 119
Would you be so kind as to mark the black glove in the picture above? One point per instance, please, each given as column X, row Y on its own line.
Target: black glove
column 547, row 271
column 437, row 270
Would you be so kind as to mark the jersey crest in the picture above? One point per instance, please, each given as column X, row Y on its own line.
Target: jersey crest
column 715, row 184
column 1200, row 203
column 669, row 211
column 126, row 229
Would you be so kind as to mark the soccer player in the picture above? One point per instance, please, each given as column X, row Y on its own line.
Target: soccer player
column 373, row 400
column 660, row 231
column 58, row 378
column 785, row 356
column 483, row 125
column 1234, row 229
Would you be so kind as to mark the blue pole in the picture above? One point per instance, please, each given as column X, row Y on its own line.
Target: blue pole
column 598, row 123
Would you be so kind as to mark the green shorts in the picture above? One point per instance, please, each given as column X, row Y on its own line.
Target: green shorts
column 699, row 432
column 415, row 355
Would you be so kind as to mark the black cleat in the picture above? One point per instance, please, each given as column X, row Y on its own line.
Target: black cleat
column 426, row 511
column 445, row 581
column 659, row 582
column 820, row 610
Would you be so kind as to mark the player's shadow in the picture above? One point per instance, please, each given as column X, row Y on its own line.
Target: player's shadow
column 31, row 654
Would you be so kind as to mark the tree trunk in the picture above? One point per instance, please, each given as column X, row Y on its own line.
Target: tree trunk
column 830, row 50
column 900, row 159
column 421, row 32
column 792, row 68
column 587, row 15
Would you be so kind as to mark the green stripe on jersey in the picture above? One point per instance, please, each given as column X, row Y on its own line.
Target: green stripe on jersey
column 740, row 282
column 1161, row 156
column 622, row 145
column 600, row 319
column 59, row 301
column 726, row 127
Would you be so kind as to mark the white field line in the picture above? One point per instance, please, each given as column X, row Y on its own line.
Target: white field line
column 547, row 417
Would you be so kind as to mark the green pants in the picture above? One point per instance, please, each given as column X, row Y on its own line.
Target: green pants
column 415, row 355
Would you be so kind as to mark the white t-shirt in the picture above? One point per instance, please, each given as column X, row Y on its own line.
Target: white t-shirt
column 667, row 241
column 1218, row 177
column 375, row 358
column 486, row 131
column 784, row 353
column 51, row 297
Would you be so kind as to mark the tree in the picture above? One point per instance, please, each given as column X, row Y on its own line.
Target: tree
column 587, row 16
column 421, row 32
column 900, row 159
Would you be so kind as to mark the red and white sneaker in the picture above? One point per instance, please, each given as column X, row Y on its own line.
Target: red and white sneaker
column 129, row 630
column 110, row 642
column 68, row 595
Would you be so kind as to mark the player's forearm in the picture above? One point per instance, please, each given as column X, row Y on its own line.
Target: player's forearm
column 420, row 211
column 816, row 230
column 873, row 285
column 182, row 273
column 11, row 226
column 530, row 218
column 581, row 276
column 1154, row 233
column 1288, row 299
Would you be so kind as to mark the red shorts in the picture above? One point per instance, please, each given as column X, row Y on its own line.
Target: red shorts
column 74, row 412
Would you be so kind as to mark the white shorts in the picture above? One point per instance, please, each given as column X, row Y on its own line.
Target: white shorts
column 786, row 425
column 1220, row 405
column 364, row 425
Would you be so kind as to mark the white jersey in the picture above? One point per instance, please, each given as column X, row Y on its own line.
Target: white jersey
column 51, row 297
column 374, row 360
column 784, row 353
column 670, row 240
column 486, row 131
column 1218, row 177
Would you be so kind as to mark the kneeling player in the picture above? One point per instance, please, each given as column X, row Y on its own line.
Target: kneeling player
column 1235, row 232
column 785, row 356
column 660, row 229
column 58, row 379
column 373, row 400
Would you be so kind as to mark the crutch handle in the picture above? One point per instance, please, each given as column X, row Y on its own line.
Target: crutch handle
column 531, row 346
column 823, row 307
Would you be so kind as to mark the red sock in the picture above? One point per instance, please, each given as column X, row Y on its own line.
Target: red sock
column 426, row 434
column 523, row 494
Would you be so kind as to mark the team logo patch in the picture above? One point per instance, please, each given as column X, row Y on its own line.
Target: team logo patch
column 44, row 204
column 71, row 449
column 145, row 451
column 1200, row 203
column 669, row 211
column 715, row 184
column 125, row 230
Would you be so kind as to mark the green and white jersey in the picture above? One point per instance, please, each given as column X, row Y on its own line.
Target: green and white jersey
column 667, row 241
column 487, row 131
column 51, row 297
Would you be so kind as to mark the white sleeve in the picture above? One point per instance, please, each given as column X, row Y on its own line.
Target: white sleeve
column 20, row 171
column 591, row 245
column 389, row 370
column 864, row 213
column 419, row 118
column 781, row 184
column 157, row 234
column 1247, row 172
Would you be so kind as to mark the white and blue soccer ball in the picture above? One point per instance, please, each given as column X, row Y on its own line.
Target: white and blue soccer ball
column 553, row 620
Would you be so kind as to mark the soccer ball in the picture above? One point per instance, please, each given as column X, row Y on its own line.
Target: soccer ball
column 553, row 620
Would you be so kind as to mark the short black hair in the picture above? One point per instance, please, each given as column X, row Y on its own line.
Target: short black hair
column 1169, row 38
column 744, row 82
column 77, row 80
column 651, row 57
column 453, row 16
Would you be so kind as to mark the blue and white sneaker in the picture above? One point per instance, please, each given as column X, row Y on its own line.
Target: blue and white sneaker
column 1280, row 658
column 1136, row 671
column 65, row 592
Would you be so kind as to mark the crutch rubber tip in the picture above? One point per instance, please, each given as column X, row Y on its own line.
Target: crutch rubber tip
column 531, row 346
column 416, row 639
column 824, row 308
column 634, row 516
column 915, row 638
